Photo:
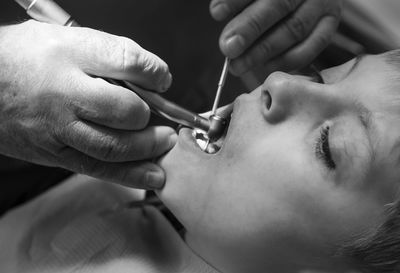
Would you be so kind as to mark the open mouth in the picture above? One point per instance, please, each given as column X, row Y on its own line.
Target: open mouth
column 200, row 138
column 205, row 144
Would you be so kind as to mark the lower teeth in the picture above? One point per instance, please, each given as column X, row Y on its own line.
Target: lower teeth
column 204, row 142
column 212, row 149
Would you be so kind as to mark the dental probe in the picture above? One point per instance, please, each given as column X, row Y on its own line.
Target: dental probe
column 221, row 85
column 50, row 12
column 217, row 123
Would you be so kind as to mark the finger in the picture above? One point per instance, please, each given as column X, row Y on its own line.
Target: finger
column 224, row 111
column 222, row 9
column 306, row 51
column 109, row 105
column 140, row 175
column 252, row 22
column 105, row 55
column 115, row 145
column 293, row 30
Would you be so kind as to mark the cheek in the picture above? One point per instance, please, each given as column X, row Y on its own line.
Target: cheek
column 187, row 174
column 345, row 213
column 263, row 179
column 283, row 185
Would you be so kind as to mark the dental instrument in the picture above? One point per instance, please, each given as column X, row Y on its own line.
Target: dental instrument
column 217, row 123
column 221, row 85
column 50, row 12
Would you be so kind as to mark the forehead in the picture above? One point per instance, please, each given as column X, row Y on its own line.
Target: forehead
column 374, row 83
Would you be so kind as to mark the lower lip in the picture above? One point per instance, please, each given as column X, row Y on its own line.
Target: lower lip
column 188, row 139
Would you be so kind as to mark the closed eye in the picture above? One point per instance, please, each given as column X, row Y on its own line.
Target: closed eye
column 323, row 150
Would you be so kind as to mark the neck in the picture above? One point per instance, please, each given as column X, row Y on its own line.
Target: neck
column 221, row 260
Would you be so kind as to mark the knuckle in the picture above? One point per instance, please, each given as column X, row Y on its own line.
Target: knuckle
column 93, row 168
column 131, row 54
column 154, row 147
column 62, row 152
column 52, row 46
column 265, row 49
column 127, row 55
column 135, row 59
column 124, row 53
column 110, row 148
column 66, row 132
column 256, row 25
column 297, row 28
column 286, row 6
column 31, row 24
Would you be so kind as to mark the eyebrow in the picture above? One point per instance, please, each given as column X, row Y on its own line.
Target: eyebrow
column 367, row 122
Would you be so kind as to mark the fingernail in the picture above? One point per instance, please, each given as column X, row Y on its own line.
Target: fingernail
column 167, row 82
column 234, row 46
column 154, row 180
column 221, row 11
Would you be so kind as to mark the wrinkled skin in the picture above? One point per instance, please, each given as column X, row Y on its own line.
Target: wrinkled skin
column 269, row 200
column 56, row 110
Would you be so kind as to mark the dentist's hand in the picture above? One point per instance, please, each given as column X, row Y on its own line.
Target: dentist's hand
column 56, row 110
column 279, row 34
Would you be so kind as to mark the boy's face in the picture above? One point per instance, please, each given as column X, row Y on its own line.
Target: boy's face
column 304, row 167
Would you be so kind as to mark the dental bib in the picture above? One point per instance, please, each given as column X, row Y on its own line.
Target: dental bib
column 72, row 229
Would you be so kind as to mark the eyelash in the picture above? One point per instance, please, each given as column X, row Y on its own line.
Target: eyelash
column 322, row 149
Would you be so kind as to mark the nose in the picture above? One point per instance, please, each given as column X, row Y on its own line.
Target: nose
column 285, row 95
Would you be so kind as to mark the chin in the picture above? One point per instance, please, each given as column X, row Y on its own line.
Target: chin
column 189, row 171
column 183, row 159
column 182, row 166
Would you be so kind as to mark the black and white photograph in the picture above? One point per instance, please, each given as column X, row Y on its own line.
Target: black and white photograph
column 187, row 136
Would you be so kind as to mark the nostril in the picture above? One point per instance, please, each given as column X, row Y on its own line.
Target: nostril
column 268, row 99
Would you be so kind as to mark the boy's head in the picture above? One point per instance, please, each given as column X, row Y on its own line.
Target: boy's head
column 306, row 167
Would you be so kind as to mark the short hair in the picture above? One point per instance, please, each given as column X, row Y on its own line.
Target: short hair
column 393, row 58
column 379, row 251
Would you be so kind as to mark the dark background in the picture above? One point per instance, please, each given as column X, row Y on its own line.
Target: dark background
column 183, row 34
column 179, row 31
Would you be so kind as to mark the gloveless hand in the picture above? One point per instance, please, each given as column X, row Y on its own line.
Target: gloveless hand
column 56, row 110
column 276, row 34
